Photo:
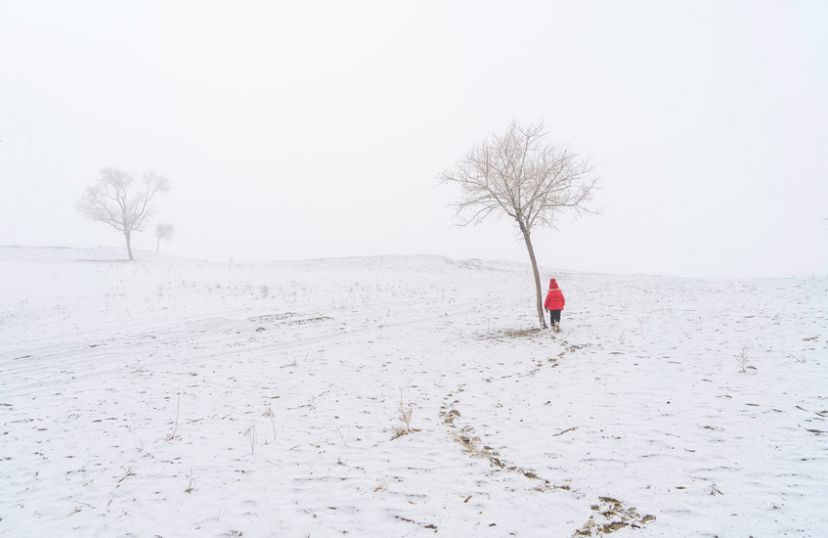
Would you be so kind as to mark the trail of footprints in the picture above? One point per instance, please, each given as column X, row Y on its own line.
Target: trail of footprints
column 608, row 514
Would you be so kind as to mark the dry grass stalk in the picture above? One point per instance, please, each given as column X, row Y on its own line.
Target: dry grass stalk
column 269, row 414
column 174, row 434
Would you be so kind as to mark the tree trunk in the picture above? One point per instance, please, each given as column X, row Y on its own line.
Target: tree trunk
column 538, row 291
column 157, row 245
column 129, row 245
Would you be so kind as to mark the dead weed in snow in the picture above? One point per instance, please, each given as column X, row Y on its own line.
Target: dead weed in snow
column 405, row 418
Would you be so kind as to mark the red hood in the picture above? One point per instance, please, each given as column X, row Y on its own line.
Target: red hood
column 553, row 284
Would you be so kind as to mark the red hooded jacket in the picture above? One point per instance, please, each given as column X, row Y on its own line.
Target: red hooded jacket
column 554, row 297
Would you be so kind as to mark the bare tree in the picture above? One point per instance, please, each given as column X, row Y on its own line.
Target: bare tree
column 121, row 201
column 521, row 174
column 162, row 231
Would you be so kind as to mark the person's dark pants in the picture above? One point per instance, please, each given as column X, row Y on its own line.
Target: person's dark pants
column 554, row 316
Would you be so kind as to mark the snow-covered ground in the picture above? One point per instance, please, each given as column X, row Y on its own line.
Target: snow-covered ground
column 172, row 398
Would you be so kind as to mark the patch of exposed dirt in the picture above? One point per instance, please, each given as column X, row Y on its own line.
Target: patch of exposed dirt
column 306, row 321
column 286, row 318
column 610, row 515
column 273, row 317
column 429, row 526
column 511, row 333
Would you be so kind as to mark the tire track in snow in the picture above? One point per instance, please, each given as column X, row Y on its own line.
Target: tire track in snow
column 218, row 331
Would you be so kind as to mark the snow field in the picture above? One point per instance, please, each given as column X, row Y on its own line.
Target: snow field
column 172, row 397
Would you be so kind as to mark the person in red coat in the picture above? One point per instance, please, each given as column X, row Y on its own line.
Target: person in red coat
column 554, row 304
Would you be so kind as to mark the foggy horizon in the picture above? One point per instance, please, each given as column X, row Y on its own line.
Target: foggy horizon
column 317, row 131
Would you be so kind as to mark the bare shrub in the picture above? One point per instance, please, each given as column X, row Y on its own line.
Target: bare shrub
column 742, row 360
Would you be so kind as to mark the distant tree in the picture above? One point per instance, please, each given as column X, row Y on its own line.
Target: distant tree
column 122, row 201
column 162, row 231
column 520, row 174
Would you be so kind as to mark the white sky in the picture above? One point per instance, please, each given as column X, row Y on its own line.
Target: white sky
column 310, row 129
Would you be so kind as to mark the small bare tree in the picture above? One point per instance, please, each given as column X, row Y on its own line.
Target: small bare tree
column 162, row 231
column 121, row 201
column 521, row 174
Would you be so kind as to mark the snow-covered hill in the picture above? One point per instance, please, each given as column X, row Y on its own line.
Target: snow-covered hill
column 173, row 397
